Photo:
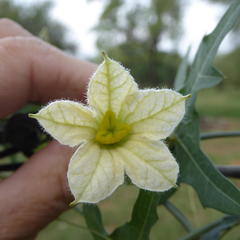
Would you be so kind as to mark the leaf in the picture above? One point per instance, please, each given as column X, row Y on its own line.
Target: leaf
column 93, row 219
column 213, row 78
column 214, row 190
column 181, row 76
column 226, row 224
column 196, row 169
column 144, row 216
column 202, row 74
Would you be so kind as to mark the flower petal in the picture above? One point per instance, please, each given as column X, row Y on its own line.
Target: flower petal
column 94, row 173
column 154, row 113
column 69, row 122
column 149, row 164
column 109, row 87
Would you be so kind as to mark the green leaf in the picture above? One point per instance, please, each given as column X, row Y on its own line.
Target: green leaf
column 29, row 108
column 203, row 75
column 226, row 224
column 181, row 75
column 93, row 219
column 214, row 190
column 196, row 169
column 213, row 230
column 144, row 216
column 210, row 79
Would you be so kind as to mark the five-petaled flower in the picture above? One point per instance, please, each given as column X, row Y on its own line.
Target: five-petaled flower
column 119, row 132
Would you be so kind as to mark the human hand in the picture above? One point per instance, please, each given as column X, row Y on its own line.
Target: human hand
column 34, row 71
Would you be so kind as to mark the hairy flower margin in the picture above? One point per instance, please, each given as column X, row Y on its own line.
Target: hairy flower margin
column 119, row 132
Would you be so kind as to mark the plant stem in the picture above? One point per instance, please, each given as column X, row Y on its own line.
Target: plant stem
column 205, row 136
column 179, row 216
column 198, row 232
column 229, row 171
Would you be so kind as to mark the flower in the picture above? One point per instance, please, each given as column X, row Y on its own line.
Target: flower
column 119, row 132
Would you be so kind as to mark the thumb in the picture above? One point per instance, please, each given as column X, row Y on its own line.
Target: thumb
column 35, row 194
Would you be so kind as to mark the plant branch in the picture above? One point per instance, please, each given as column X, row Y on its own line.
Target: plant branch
column 198, row 232
column 179, row 216
column 229, row 171
column 206, row 136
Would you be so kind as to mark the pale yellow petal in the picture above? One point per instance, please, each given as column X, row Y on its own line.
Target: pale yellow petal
column 154, row 113
column 149, row 164
column 69, row 122
column 94, row 173
column 109, row 87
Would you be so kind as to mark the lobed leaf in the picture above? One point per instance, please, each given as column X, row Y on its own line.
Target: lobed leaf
column 214, row 190
column 202, row 74
column 196, row 169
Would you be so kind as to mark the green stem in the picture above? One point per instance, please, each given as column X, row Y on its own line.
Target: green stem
column 83, row 227
column 198, row 232
column 206, row 136
column 179, row 216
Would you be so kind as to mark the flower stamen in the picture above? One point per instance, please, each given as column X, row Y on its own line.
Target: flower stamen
column 111, row 130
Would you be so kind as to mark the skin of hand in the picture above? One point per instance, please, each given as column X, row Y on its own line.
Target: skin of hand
column 34, row 71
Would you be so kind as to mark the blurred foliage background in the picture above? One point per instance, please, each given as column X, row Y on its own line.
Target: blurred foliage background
column 36, row 18
column 133, row 33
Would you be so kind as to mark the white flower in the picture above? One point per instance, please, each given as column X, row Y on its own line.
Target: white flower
column 120, row 132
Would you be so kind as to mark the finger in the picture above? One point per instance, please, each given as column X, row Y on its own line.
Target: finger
column 31, row 70
column 36, row 194
column 9, row 28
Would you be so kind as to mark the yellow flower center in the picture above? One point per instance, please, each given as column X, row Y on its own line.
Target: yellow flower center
column 111, row 130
